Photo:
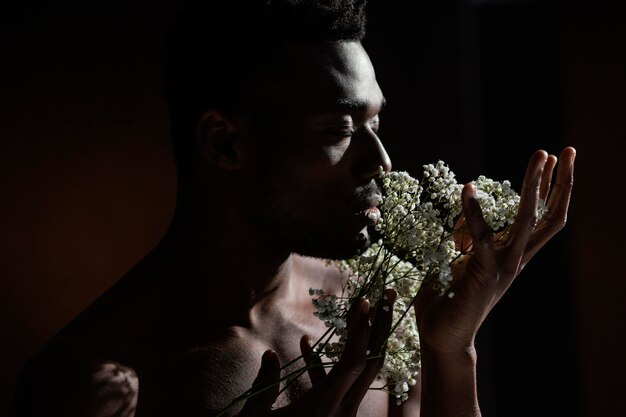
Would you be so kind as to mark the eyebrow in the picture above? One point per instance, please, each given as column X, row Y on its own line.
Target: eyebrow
column 357, row 105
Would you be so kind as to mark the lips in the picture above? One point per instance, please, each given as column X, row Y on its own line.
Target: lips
column 372, row 216
column 368, row 211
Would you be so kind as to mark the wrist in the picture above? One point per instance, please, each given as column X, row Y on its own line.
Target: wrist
column 465, row 354
column 449, row 382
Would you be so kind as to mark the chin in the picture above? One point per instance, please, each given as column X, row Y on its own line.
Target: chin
column 336, row 248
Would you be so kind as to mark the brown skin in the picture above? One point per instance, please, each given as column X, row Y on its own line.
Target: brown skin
column 184, row 332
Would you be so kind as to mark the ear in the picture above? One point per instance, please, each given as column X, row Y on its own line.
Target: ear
column 220, row 140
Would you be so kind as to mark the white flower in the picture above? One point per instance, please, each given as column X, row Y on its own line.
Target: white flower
column 416, row 245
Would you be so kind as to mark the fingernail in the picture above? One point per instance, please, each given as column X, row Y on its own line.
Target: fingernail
column 365, row 306
column 471, row 191
column 390, row 296
column 268, row 355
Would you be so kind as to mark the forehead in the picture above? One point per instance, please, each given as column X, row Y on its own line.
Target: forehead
column 316, row 78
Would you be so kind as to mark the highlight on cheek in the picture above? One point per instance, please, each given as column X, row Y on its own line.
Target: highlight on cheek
column 335, row 153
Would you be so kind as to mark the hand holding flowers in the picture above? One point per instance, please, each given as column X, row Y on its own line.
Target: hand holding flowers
column 425, row 242
column 448, row 253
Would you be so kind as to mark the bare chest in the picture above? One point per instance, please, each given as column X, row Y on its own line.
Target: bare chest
column 218, row 375
column 212, row 377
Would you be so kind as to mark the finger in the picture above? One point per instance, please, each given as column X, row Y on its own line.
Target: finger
column 358, row 332
column 546, row 178
column 561, row 193
column 380, row 330
column 483, row 260
column 313, row 361
column 556, row 217
column 353, row 358
column 381, row 326
column 526, row 218
column 265, row 387
column 462, row 239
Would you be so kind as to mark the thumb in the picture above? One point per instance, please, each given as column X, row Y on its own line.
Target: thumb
column 265, row 387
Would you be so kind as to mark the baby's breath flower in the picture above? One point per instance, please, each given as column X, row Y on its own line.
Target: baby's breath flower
column 416, row 246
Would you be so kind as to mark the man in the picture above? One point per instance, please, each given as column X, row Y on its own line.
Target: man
column 275, row 112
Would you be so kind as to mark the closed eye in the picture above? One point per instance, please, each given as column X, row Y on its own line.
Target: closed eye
column 375, row 125
column 342, row 133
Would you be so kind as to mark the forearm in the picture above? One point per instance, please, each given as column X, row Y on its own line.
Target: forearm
column 449, row 384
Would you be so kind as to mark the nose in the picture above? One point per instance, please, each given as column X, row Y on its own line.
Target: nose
column 372, row 156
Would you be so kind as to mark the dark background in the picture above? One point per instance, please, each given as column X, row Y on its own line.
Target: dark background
column 87, row 177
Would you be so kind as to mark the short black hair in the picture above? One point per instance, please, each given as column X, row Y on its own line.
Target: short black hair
column 216, row 49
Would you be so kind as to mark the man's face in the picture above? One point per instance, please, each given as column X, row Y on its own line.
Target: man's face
column 320, row 154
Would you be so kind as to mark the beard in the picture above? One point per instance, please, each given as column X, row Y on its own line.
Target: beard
column 311, row 219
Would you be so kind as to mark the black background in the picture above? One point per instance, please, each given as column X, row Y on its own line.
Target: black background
column 87, row 186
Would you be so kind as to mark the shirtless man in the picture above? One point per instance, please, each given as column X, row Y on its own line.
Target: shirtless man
column 275, row 113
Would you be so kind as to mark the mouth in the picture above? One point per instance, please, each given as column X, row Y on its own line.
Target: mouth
column 368, row 211
column 371, row 216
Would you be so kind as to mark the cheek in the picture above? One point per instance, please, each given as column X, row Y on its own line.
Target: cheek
column 306, row 175
column 312, row 150
column 335, row 155
column 325, row 168
column 304, row 193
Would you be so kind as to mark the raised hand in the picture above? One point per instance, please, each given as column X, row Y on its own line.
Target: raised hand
column 340, row 392
column 480, row 279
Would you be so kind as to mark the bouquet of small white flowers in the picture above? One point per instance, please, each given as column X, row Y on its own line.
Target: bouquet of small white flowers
column 417, row 226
